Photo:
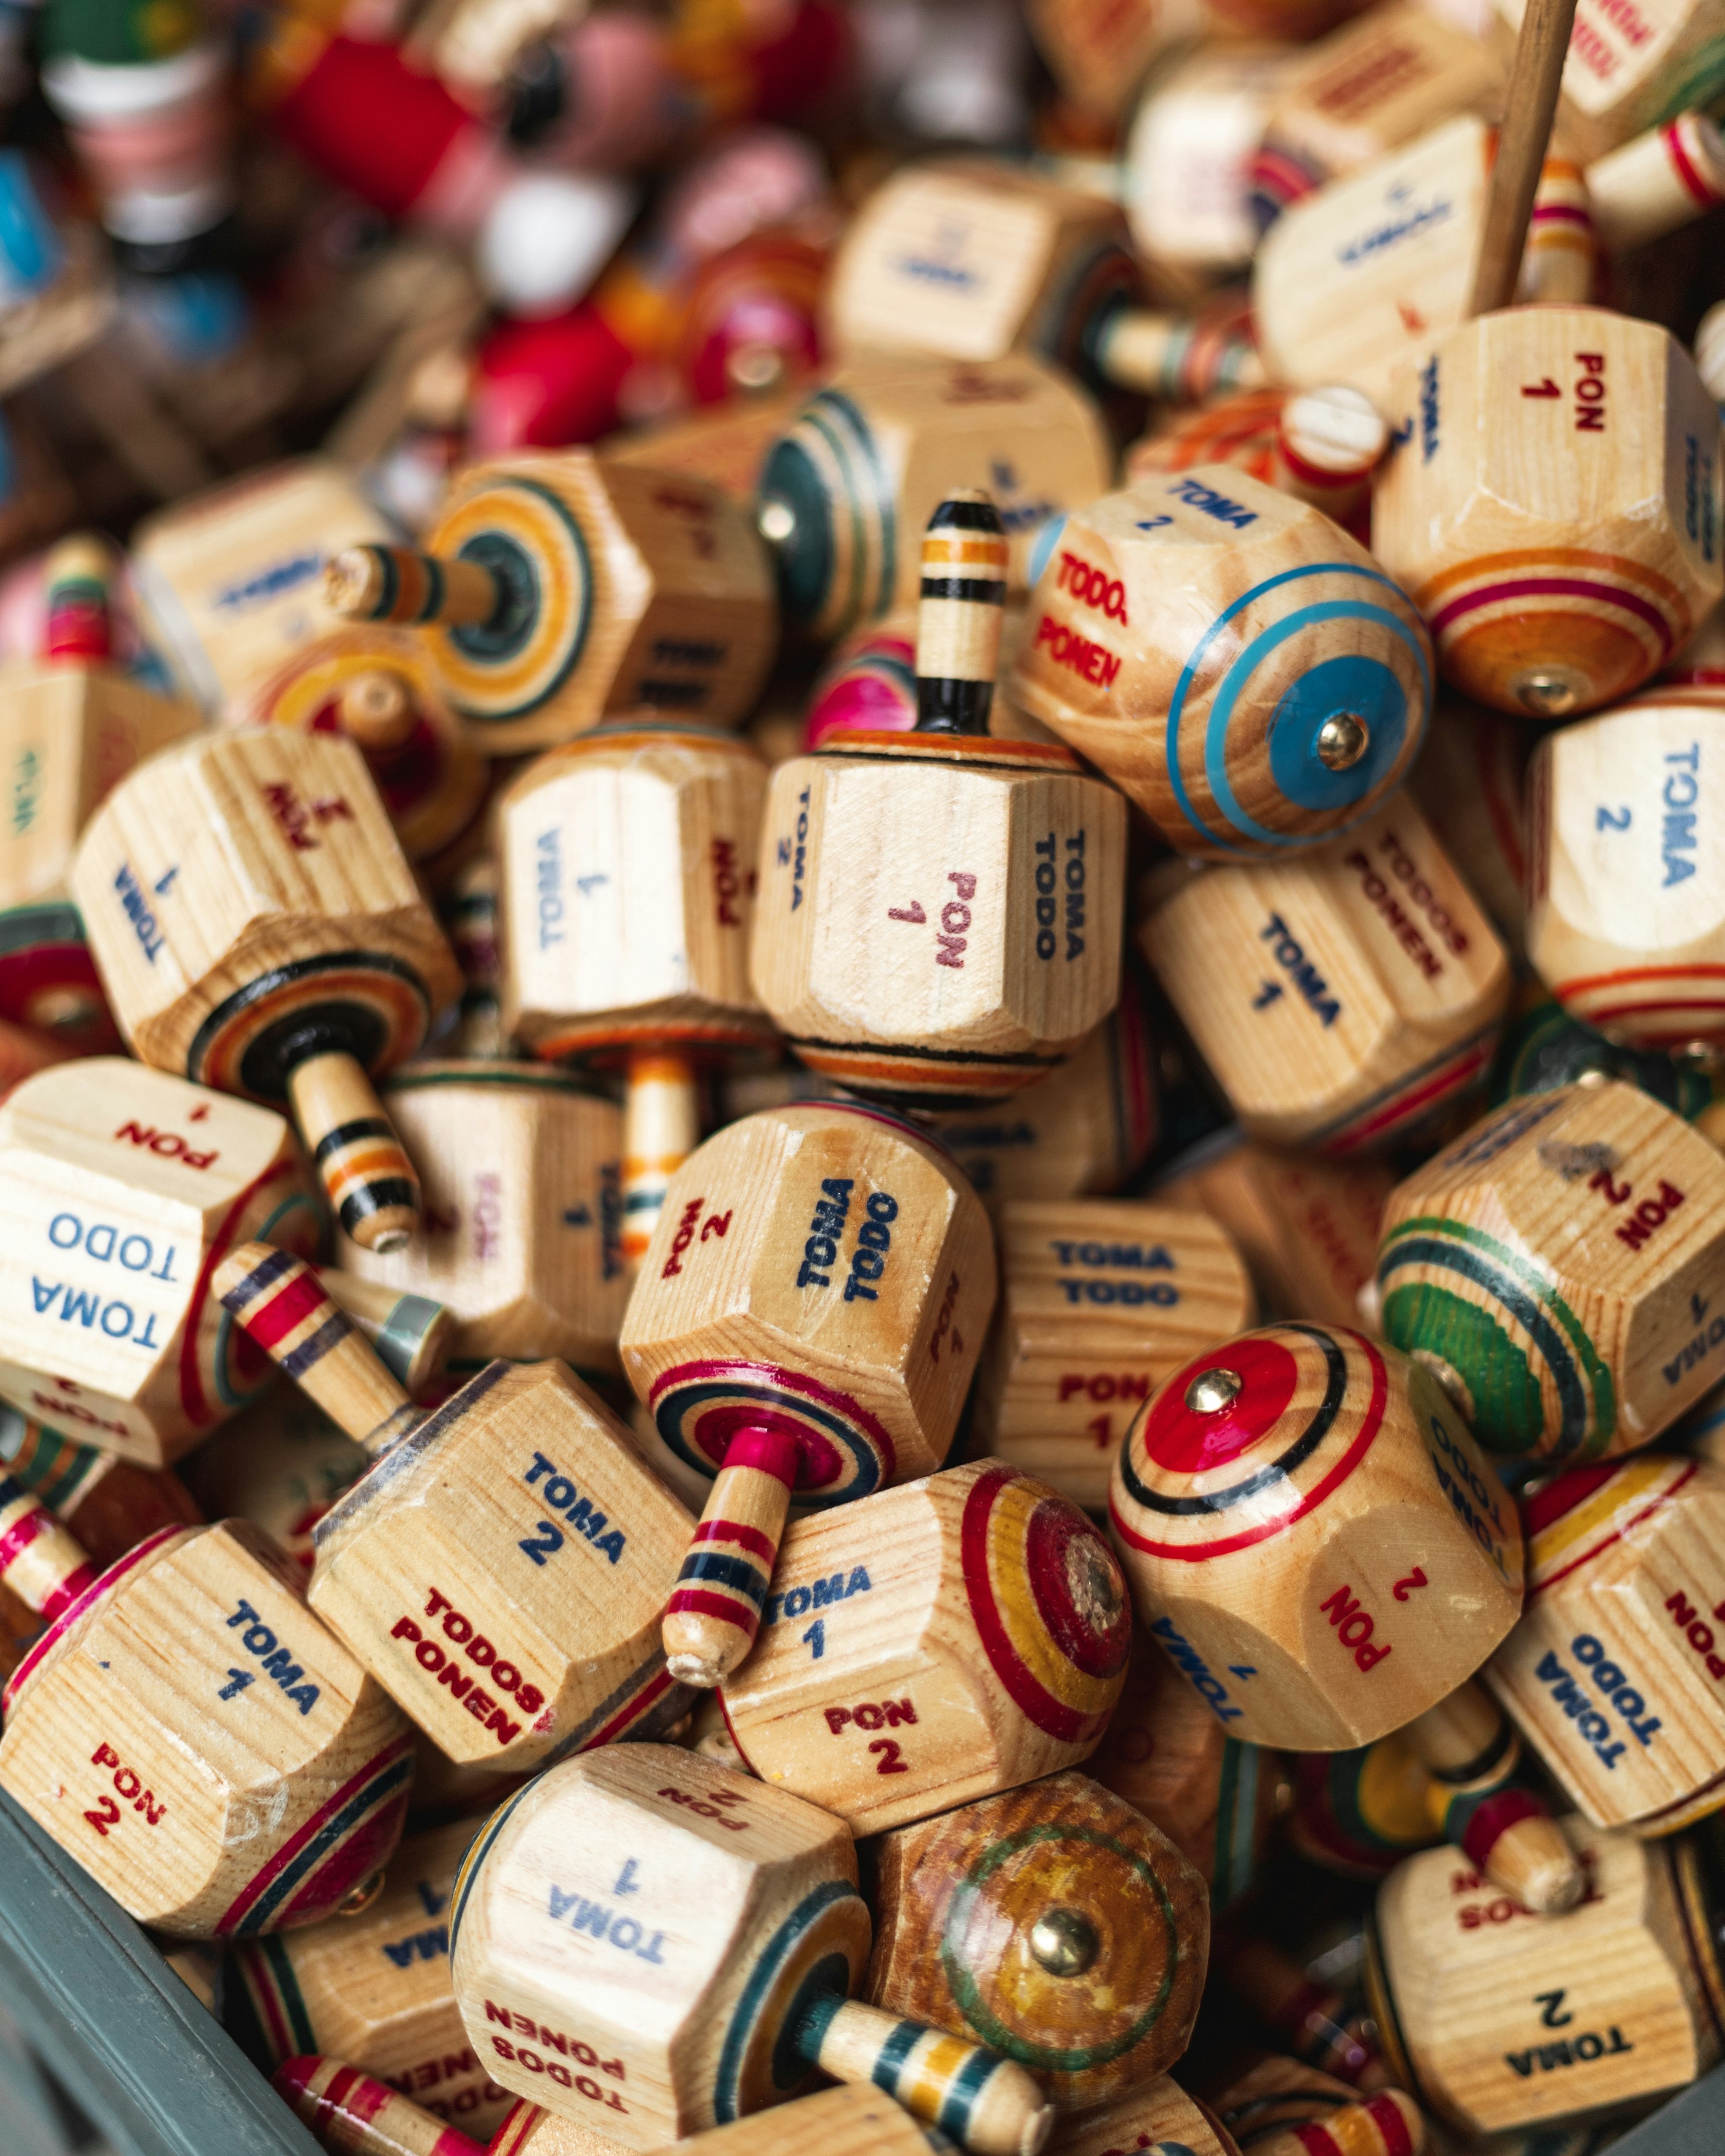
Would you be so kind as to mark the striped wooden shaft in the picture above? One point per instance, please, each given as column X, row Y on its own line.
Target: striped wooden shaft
column 370, row 1182
column 1387, row 2124
column 1172, row 357
column 715, row 1610
column 1506, row 1829
column 287, row 1310
column 39, row 1562
column 399, row 583
column 1328, row 443
column 352, row 2115
column 1660, row 180
column 1314, row 2022
column 958, row 623
column 1562, row 247
column 376, row 709
column 77, row 574
column 661, row 1127
column 410, row 1334
column 992, row 2106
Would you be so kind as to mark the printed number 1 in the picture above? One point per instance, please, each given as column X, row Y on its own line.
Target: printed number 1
column 238, row 1680
column 815, row 1638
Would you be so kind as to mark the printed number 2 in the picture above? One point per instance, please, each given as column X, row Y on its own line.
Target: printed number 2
column 815, row 1638
column 891, row 1761
column 550, row 1538
column 109, row 1813
column 1611, row 819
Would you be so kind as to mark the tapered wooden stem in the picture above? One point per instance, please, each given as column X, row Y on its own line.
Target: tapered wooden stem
column 398, row 584
column 715, row 1610
column 1529, row 106
column 371, row 1181
column 375, row 710
column 289, row 1312
column 39, row 1562
column 1507, row 1831
column 410, row 1334
column 661, row 1127
column 995, row 2109
column 1387, row 2124
column 962, row 610
column 352, row 2115
column 77, row 574
column 1172, row 356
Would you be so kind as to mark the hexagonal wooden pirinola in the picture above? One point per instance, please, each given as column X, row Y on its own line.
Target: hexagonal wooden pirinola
column 1054, row 1924
column 360, row 2116
column 654, row 1942
column 259, row 929
column 121, row 1188
column 1341, row 999
column 1626, row 924
column 1161, row 2117
column 1495, row 2020
column 521, row 1170
column 374, row 1989
column 1615, row 1670
column 555, row 588
column 1298, row 1507
column 1553, row 505
column 934, row 1644
column 514, row 1530
column 1555, row 1266
column 845, row 2121
column 1229, row 656
column 188, row 1731
column 938, row 919
column 1099, row 1301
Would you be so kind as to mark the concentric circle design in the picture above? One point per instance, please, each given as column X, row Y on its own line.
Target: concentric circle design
column 371, row 1004
column 1049, row 1602
column 1535, row 1381
column 846, row 1451
column 1190, row 1486
column 509, row 666
column 818, row 1952
column 827, row 507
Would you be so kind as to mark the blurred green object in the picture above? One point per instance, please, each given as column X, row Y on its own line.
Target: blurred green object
column 1543, row 1048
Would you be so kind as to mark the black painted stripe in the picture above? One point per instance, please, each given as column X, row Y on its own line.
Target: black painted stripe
column 347, row 1134
column 436, row 583
column 257, row 1279
column 967, row 517
column 365, row 1198
column 981, row 590
column 330, row 1334
column 738, row 1574
column 385, row 558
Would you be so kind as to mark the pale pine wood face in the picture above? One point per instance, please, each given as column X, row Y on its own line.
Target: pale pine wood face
column 1625, row 72
column 1628, row 910
column 887, row 1680
column 234, row 1752
column 1558, row 442
column 1465, row 1978
column 1099, row 1302
column 447, row 1565
column 1173, row 625
column 118, row 1182
column 627, row 866
column 733, row 1313
column 846, row 2121
column 520, row 1170
column 241, row 855
column 1551, row 1198
column 1340, row 997
column 623, row 1905
column 1282, row 1622
column 1143, row 2118
column 1628, row 1571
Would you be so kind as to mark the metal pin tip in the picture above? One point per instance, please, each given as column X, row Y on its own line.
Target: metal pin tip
column 1212, row 1390
column 1342, row 740
column 1064, row 1941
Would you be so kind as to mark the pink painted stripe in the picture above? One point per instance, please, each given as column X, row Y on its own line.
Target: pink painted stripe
column 1568, row 588
column 236, row 1909
column 705, row 1603
column 23, row 1531
column 635, row 1709
column 1700, row 187
column 67, row 1618
column 745, row 1538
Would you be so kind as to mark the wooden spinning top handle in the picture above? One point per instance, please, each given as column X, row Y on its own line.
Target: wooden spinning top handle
column 400, row 584
column 288, row 1311
column 1468, row 1746
column 715, row 1610
column 1387, row 2124
column 352, row 2115
column 78, row 576
column 1530, row 105
column 39, row 1562
column 364, row 1167
column 661, row 1127
column 993, row 2107
column 963, row 607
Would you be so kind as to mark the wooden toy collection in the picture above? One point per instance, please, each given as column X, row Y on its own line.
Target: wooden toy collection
column 862, row 993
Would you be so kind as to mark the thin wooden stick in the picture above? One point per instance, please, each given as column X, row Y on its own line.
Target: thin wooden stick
column 1532, row 100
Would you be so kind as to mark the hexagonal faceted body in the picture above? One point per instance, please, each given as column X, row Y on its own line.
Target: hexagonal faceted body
column 121, row 1188
column 1459, row 1982
column 1553, row 505
column 280, row 1463
column 613, row 588
column 502, row 1569
column 1098, row 1303
column 1229, row 656
column 1615, row 1672
column 375, row 1989
column 824, row 1267
column 210, row 1753
column 846, row 494
column 938, row 919
column 972, row 1629
column 1072, row 1935
column 1554, row 1266
column 1308, row 1227
column 1627, row 923
column 521, row 1170
column 1298, row 1510
column 1342, row 999
column 711, row 1989
column 1625, row 73
column 846, row 2121
column 627, row 869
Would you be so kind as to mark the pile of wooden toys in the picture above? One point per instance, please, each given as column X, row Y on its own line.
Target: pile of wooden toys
column 871, row 840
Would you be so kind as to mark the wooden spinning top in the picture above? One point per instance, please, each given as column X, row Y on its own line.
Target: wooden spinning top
column 697, row 1933
column 1229, row 656
column 807, row 1320
column 1285, row 2108
column 987, row 873
column 258, row 930
column 353, row 2114
column 849, row 2120
column 1053, row 1923
column 1299, row 1508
